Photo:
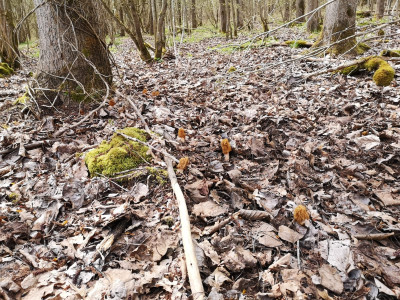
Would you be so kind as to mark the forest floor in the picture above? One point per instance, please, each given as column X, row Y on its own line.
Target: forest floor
column 331, row 143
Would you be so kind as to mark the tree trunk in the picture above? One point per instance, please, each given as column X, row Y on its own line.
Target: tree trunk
column 179, row 12
column 121, row 17
column 193, row 13
column 8, row 40
column 223, row 16
column 339, row 25
column 239, row 14
column 263, row 9
column 154, row 14
column 286, row 11
column 73, row 58
column 312, row 20
column 228, row 19
column 137, row 36
column 380, row 9
column 160, row 40
column 234, row 17
column 300, row 8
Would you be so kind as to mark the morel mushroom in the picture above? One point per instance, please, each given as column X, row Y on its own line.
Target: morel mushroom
column 226, row 148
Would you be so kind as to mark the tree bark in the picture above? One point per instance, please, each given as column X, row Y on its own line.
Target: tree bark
column 263, row 9
column 300, row 8
column 8, row 40
column 286, row 11
column 234, row 17
column 121, row 17
column 228, row 19
column 137, row 37
column 239, row 14
column 312, row 20
column 160, row 41
column 380, row 9
column 340, row 26
column 193, row 13
column 179, row 12
column 223, row 16
column 73, row 58
column 154, row 14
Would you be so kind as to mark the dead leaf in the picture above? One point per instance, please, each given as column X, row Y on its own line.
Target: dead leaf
column 330, row 279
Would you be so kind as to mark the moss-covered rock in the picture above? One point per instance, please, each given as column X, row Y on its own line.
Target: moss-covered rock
column 390, row 53
column 119, row 154
column 5, row 70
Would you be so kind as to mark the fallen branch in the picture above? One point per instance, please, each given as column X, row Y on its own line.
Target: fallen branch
column 217, row 226
column 27, row 146
column 195, row 281
column 373, row 236
column 349, row 64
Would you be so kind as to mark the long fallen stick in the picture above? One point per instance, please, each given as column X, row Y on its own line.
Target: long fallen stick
column 195, row 281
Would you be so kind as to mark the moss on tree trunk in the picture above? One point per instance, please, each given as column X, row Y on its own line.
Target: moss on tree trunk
column 73, row 56
column 339, row 28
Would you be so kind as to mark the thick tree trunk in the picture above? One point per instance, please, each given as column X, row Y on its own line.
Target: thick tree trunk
column 380, row 9
column 339, row 27
column 223, row 16
column 8, row 41
column 73, row 59
column 193, row 13
column 312, row 20
column 300, row 8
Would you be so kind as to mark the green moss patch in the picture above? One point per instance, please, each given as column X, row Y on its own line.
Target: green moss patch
column 5, row 70
column 298, row 44
column 390, row 53
column 119, row 154
column 361, row 48
column 384, row 73
column 22, row 100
